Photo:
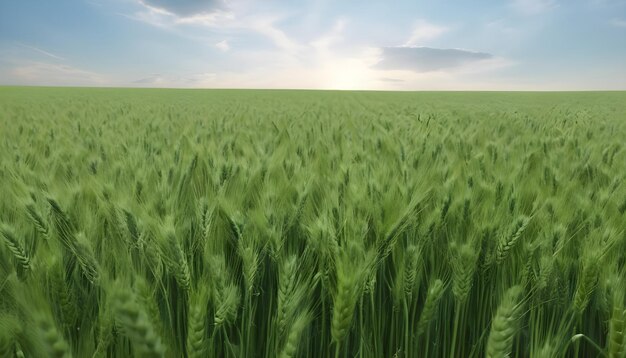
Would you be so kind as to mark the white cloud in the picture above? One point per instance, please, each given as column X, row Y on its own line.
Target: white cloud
column 266, row 26
column 532, row 7
column 172, row 22
column 223, row 45
column 332, row 37
column 425, row 31
column 618, row 23
column 230, row 20
column 214, row 19
column 43, row 73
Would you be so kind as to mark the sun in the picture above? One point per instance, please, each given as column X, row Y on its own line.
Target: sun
column 348, row 75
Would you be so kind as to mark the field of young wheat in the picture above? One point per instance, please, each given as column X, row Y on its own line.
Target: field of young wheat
column 183, row 223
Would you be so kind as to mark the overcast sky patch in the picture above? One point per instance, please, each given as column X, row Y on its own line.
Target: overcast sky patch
column 186, row 8
column 427, row 59
column 390, row 80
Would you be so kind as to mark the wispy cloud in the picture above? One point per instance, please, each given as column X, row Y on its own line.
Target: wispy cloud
column 266, row 26
column 171, row 22
column 223, row 45
column 44, row 73
column 194, row 80
column 40, row 51
column 533, row 7
column 425, row 31
column 501, row 27
column 201, row 79
column 427, row 59
column 153, row 79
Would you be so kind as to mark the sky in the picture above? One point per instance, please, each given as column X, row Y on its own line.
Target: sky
column 316, row 44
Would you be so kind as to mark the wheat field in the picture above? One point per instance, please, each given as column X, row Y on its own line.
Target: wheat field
column 226, row 223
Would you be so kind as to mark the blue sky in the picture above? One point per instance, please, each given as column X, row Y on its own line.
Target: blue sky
column 321, row 44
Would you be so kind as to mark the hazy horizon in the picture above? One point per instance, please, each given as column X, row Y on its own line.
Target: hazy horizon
column 515, row 45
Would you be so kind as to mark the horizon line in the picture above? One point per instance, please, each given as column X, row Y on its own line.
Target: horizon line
column 312, row 89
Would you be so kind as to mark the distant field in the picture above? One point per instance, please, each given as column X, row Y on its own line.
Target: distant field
column 232, row 223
